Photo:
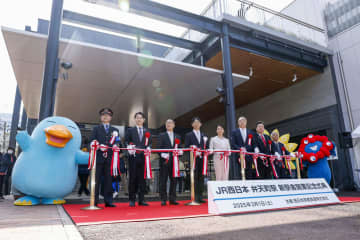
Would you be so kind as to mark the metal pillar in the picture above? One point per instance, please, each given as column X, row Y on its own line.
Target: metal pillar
column 31, row 124
column 348, row 176
column 51, row 62
column 15, row 118
column 23, row 119
column 228, row 80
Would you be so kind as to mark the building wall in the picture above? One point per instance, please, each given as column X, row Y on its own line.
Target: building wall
column 305, row 96
column 307, row 106
column 346, row 47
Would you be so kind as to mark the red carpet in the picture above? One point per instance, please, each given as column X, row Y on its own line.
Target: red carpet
column 124, row 213
column 349, row 199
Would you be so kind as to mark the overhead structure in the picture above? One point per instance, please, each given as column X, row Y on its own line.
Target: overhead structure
column 125, row 81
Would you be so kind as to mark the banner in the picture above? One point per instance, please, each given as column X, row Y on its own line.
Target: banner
column 259, row 195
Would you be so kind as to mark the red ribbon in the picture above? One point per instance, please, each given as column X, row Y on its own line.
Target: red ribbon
column 147, row 168
column 272, row 160
column 255, row 157
column 147, row 136
column 250, row 136
column 194, row 149
column 92, row 156
column 176, row 168
column 205, row 162
column 225, row 156
column 115, row 162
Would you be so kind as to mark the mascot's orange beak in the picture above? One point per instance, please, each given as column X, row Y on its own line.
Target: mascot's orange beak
column 57, row 135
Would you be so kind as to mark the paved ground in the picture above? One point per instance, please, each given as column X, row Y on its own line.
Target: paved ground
column 51, row 222
column 330, row 222
column 35, row 222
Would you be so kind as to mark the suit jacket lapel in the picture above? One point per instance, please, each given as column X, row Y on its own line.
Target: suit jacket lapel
column 194, row 136
column 136, row 133
column 241, row 138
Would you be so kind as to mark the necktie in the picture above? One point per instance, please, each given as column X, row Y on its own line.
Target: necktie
column 106, row 128
column 171, row 138
column 243, row 135
column 263, row 139
column 198, row 136
column 140, row 133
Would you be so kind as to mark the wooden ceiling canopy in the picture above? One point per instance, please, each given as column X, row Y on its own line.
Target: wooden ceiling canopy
column 269, row 76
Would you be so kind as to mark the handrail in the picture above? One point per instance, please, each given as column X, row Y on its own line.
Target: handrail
column 282, row 15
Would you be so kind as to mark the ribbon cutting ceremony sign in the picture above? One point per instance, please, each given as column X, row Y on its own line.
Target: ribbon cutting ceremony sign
column 259, row 195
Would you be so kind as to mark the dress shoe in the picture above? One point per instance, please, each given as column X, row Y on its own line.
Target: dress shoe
column 174, row 203
column 132, row 204
column 110, row 205
column 202, row 201
column 163, row 203
column 143, row 204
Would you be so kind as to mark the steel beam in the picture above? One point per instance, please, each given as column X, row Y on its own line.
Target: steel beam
column 51, row 70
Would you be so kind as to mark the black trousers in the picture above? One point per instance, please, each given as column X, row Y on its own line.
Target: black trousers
column 166, row 171
column 83, row 181
column 2, row 178
column 265, row 172
column 103, row 170
column 249, row 172
column 199, row 179
column 137, row 182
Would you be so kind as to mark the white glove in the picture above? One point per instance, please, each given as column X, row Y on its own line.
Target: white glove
column 292, row 155
column 198, row 154
column 257, row 150
column 103, row 147
column 165, row 155
column 211, row 151
column 278, row 156
column 181, row 152
column 93, row 142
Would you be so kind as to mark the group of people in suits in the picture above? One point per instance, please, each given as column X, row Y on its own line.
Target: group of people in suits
column 257, row 142
column 139, row 137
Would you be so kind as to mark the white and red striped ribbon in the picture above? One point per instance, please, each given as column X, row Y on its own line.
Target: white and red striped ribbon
column 272, row 160
column 176, row 168
column 205, row 163
column 92, row 155
column 255, row 157
column 194, row 149
column 115, row 162
column 147, row 169
column 225, row 157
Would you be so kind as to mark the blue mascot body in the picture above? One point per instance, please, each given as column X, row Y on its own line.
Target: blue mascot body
column 316, row 150
column 46, row 170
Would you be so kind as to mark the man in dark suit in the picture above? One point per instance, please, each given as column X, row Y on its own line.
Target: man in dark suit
column 167, row 141
column 263, row 145
column 136, row 136
column 242, row 138
column 278, row 147
column 107, row 136
column 197, row 138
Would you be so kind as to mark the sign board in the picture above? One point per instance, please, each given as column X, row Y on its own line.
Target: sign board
column 259, row 195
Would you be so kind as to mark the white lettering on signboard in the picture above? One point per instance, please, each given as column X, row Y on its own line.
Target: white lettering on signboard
column 258, row 195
